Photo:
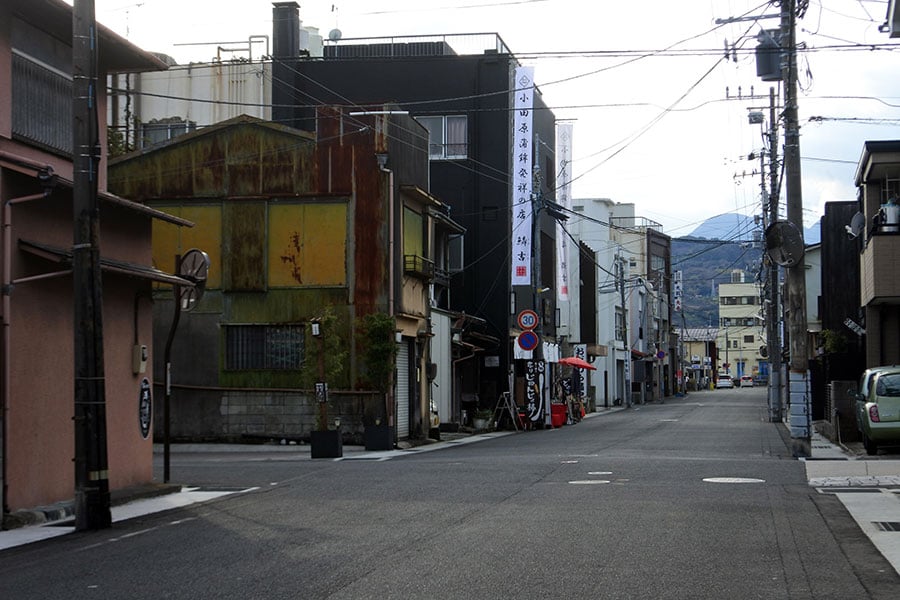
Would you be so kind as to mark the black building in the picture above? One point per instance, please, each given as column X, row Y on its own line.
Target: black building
column 461, row 89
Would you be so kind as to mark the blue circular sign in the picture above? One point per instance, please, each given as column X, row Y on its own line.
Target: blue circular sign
column 528, row 340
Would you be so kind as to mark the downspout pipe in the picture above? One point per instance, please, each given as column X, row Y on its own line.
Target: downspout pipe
column 382, row 166
column 6, row 226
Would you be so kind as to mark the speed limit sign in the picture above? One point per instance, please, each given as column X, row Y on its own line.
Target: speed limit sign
column 527, row 320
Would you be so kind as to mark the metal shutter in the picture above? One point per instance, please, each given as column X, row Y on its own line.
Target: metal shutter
column 402, row 390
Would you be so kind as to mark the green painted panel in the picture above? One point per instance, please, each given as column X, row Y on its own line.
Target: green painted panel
column 244, row 246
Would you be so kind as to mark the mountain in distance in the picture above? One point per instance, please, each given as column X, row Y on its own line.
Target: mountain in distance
column 708, row 256
column 740, row 228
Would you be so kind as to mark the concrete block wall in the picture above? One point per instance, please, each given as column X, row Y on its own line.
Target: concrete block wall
column 242, row 416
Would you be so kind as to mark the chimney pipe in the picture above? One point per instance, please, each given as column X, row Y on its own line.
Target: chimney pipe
column 285, row 50
column 286, row 29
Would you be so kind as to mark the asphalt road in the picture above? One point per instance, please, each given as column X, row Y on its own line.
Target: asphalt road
column 618, row 506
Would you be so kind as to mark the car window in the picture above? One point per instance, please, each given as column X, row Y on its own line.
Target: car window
column 888, row 385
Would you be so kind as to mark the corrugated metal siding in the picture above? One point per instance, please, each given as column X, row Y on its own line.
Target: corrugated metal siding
column 244, row 246
column 307, row 244
column 369, row 249
column 169, row 239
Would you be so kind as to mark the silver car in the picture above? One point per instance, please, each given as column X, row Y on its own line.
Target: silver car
column 724, row 381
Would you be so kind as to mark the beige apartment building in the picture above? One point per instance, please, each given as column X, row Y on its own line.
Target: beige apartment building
column 741, row 327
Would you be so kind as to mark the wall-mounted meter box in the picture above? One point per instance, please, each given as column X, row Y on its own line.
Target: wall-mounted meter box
column 139, row 359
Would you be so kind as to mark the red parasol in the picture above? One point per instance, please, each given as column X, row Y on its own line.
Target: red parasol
column 574, row 361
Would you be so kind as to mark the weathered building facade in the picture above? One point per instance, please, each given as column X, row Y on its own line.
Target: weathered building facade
column 296, row 225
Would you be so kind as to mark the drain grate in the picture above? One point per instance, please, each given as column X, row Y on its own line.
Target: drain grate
column 887, row 525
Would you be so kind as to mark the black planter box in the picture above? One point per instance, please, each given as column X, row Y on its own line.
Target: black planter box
column 379, row 437
column 326, row 444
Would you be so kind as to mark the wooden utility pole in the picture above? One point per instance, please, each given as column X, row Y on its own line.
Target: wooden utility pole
column 795, row 305
column 772, row 312
column 92, row 504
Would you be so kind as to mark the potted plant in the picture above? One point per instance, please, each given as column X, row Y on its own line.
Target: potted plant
column 378, row 352
column 325, row 442
column 482, row 418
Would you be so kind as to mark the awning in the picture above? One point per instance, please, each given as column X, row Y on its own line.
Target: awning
column 63, row 256
column 31, row 168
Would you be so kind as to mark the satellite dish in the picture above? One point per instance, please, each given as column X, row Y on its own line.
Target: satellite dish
column 335, row 34
column 784, row 244
column 764, row 351
column 194, row 268
column 857, row 223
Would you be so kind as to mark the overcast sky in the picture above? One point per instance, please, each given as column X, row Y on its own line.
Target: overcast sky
column 656, row 131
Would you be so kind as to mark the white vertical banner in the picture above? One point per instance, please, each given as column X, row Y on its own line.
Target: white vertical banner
column 521, row 176
column 564, row 199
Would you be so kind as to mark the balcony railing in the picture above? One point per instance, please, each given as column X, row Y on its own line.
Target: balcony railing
column 417, row 45
column 442, row 276
column 879, row 276
column 418, row 266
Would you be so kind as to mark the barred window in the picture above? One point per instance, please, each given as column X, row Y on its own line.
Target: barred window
column 267, row 347
column 41, row 105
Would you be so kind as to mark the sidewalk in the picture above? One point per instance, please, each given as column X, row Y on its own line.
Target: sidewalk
column 868, row 487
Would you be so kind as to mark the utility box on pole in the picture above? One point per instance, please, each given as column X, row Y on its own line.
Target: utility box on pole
column 768, row 55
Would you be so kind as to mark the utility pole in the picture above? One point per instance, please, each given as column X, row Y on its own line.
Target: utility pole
column 660, row 366
column 798, row 380
column 772, row 312
column 92, row 503
column 620, row 266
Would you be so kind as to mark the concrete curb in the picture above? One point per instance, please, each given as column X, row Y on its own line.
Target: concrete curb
column 61, row 511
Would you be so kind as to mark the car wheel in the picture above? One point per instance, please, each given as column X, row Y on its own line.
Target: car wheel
column 870, row 446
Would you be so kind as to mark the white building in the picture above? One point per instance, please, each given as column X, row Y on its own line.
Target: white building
column 611, row 380
column 150, row 108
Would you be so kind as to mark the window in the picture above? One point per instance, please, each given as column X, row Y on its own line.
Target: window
column 157, row 131
column 272, row 347
column 413, row 232
column 41, row 105
column 457, row 257
column 748, row 339
column 890, row 189
column 448, row 136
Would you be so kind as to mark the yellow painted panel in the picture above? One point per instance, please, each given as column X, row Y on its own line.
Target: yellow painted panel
column 307, row 244
column 165, row 240
column 206, row 234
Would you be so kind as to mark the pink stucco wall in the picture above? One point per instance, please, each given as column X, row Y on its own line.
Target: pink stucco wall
column 41, row 432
